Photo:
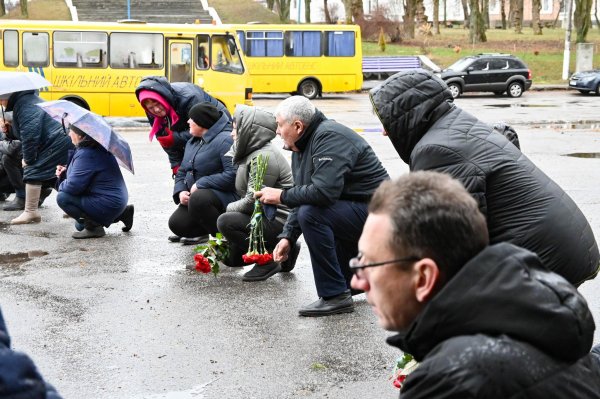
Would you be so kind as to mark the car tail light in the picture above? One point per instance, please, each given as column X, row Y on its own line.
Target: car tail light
column 529, row 74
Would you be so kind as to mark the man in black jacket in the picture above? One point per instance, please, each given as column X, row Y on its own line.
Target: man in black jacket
column 522, row 205
column 335, row 173
column 483, row 321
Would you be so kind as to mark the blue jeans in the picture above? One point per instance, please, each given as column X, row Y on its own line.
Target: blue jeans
column 331, row 234
column 70, row 204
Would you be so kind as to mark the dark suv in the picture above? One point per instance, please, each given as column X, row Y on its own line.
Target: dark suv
column 497, row 73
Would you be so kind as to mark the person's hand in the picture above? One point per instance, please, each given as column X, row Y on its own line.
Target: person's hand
column 59, row 170
column 23, row 163
column 282, row 250
column 269, row 195
column 4, row 126
column 166, row 139
column 184, row 197
column 193, row 189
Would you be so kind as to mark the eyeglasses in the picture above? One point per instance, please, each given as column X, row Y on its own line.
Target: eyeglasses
column 355, row 262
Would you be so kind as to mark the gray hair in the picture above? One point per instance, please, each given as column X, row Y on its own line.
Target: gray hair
column 296, row 108
column 433, row 216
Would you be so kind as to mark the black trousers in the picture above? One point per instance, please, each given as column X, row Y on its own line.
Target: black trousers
column 14, row 172
column 235, row 227
column 199, row 217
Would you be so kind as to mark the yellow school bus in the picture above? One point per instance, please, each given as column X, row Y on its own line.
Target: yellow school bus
column 305, row 59
column 98, row 65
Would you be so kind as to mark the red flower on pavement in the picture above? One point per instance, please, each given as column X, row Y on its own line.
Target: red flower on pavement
column 202, row 264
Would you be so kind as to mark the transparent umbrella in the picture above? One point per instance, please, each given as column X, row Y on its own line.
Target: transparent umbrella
column 11, row 82
column 93, row 125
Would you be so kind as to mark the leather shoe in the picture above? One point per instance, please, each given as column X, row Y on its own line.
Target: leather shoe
column 262, row 272
column 288, row 264
column 174, row 238
column 341, row 303
column 17, row 204
column 193, row 240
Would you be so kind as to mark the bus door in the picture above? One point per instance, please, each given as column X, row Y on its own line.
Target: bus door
column 179, row 60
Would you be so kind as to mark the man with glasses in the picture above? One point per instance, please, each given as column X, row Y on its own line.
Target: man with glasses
column 485, row 321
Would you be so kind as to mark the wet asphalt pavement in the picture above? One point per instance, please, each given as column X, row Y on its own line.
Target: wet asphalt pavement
column 122, row 317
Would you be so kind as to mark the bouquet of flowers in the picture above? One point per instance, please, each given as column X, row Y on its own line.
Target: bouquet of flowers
column 257, row 253
column 209, row 254
column 403, row 367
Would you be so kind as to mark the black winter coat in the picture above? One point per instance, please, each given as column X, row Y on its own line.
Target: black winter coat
column 181, row 96
column 43, row 142
column 522, row 205
column 19, row 378
column 503, row 327
column 334, row 163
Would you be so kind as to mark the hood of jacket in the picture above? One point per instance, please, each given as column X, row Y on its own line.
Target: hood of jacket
column 504, row 290
column 408, row 104
column 255, row 128
column 160, row 85
column 12, row 100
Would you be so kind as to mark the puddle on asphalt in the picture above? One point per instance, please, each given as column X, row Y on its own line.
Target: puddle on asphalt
column 583, row 154
column 18, row 258
column 567, row 125
column 521, row 105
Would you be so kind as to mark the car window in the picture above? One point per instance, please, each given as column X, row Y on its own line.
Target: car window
column 499, row 63
column 460, row 65
column 481, row 65
column 516, row 64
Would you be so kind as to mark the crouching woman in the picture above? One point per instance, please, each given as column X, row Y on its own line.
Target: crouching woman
column 91, row 188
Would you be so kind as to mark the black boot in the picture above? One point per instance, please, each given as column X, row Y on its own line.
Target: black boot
column 126, row 217
column 46, row 191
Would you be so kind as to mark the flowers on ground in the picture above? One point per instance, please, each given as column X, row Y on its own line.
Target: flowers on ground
column 209, row 254
column 403, row 367
column 257, row 252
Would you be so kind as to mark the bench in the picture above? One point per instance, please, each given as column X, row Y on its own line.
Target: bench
column 378, row 66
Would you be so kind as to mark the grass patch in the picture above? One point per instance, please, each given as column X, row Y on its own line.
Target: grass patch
column 243, row 11
column 42, row 10
column 542, row 54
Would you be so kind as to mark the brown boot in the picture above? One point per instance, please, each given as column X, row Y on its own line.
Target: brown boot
column 32, row 199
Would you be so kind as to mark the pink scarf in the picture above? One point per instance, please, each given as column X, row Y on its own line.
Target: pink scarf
column 159, row 123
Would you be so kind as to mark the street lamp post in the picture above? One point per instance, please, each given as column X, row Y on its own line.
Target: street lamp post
column 128, row 10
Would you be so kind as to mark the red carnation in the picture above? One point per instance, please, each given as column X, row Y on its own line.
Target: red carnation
column 202, row 264
column 399, row 381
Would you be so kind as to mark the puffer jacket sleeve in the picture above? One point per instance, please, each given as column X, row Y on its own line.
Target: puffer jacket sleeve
column 246, row 203
column 441, row 384
column 11, row 148
column 30, row 129
column 225, row 180
column 331, row 159
column 444, row 159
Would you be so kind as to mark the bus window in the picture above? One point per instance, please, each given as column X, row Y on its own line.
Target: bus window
column 181, row 62
column 80, row 49
column 11, row 48
column 136, row 50
column 340, row 44
column 264, row 44
column 302, row 44
column 203, row 54
column 226, row 58
column 35, row 49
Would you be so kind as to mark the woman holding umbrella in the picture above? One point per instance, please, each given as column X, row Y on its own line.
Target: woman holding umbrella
column 92, row 189
column 44, row 146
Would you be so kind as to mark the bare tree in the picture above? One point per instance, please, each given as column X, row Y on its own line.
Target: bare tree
column 306, row 11
column 536, row 24
column 420, row 15
column 326, row 10
column 2, row 8
column 24, row 11
column 596, row 15
column 283, row 9
column 409, row 18
column 560, row 7
column 503, row 13
column 270, row 4
column 436, row 16
column 485, row 11
column 477, row 25
column 582, row 19
column 465, row 6
column 354, row 10
column 518, row 16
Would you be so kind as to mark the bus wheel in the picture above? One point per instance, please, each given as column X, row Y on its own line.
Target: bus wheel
column 309, row 89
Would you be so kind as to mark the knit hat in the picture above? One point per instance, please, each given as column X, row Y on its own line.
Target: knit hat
column 204, row 114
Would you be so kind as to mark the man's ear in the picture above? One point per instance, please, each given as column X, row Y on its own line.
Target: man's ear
column 426, row 278
column 299, row 127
